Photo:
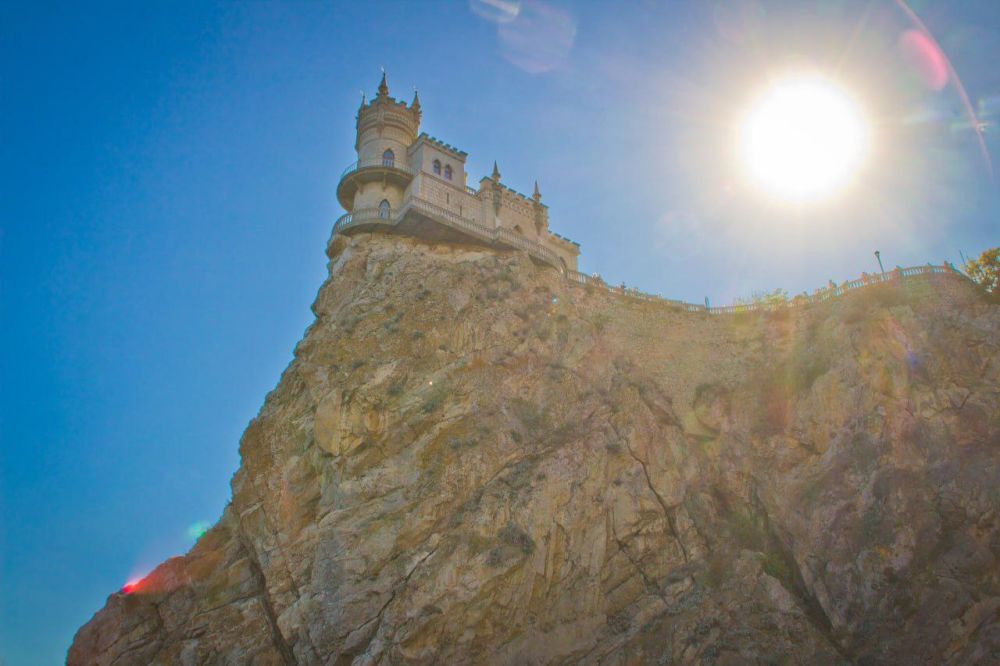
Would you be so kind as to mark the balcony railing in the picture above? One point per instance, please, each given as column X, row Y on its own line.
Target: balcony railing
column 452, row 219
column 483, row 232
column 448, row 218
column 820, row 295
column 377, row 163
column 366, row 216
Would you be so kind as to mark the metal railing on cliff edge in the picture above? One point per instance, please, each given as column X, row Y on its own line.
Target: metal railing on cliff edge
column 818, row 296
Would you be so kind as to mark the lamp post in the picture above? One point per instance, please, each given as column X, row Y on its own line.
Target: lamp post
column 878, row 256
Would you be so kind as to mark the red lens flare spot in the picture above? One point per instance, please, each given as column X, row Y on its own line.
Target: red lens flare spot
column 925, row 57
column 131, row 586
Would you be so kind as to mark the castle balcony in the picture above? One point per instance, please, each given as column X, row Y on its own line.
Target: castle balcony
column 425, row 219
column 366, row 218
column 422, row 219
column 369, row 171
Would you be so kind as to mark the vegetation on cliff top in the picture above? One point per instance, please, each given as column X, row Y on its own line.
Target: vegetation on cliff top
column 985, row 271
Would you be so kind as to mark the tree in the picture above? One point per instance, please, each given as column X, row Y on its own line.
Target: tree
column 985, row 271
column 765, row 299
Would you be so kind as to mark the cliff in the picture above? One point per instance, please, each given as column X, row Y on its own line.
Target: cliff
column 471, row 460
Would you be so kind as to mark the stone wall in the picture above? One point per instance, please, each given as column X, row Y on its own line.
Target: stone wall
column 449, row 196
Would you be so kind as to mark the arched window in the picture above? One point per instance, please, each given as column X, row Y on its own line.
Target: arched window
column 437, row 167
column 388, row 158
column 384, row 209
column 517, row 230
column 447, row 171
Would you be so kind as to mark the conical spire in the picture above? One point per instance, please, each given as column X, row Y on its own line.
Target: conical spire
column 537, row 196
column 383, row 87
column 496, row 172
column 364, row 99
column 416, row 101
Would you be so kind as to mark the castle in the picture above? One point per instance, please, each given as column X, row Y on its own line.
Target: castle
column 410, row 183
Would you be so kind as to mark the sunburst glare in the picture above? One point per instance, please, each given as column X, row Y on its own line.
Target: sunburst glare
column 803, row 139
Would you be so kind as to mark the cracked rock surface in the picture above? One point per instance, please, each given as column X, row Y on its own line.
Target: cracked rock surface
column 472, row 461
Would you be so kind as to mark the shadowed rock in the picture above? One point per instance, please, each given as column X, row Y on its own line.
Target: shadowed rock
column 471, row 460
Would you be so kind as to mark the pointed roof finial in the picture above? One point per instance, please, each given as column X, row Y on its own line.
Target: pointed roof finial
column 537, row 196
column 364, row 99
column 496, row 172
column 383, row 87
column 416, row 100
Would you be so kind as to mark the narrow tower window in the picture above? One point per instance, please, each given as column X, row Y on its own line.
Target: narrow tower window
column 437, row 167
column 447, row 171
column 388, row 158
column 383, row 209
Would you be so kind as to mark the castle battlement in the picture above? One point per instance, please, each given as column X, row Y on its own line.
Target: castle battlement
column 406, row 181
column 444, row 146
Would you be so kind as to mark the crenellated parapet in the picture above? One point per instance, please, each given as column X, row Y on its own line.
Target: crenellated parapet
column 447, row 147
column 386, row 122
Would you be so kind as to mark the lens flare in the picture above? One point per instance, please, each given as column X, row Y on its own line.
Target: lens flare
column 132, row 586
column 196, row 530
column 925, row 57
column 803, row 139
column 498, row 11
column 540, row 39
column 974, row 122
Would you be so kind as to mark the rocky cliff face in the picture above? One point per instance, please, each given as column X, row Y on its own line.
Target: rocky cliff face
column 472, row 461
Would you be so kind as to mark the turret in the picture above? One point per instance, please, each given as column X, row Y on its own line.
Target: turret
column 386, row 124
column 541, row 212
column 386, row 128
column 497, row 189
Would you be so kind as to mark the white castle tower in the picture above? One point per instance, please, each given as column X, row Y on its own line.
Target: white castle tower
column 386, row 130
column 411, row 183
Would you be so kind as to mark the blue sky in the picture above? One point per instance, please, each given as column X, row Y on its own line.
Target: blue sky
column 169, row 172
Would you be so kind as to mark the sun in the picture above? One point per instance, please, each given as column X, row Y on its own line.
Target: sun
column 803, row 139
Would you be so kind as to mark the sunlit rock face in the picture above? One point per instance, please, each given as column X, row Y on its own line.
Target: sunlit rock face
column 471, row 461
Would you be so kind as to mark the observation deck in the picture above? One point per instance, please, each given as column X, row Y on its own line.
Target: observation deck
column 368, row 171
column 423, row 219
